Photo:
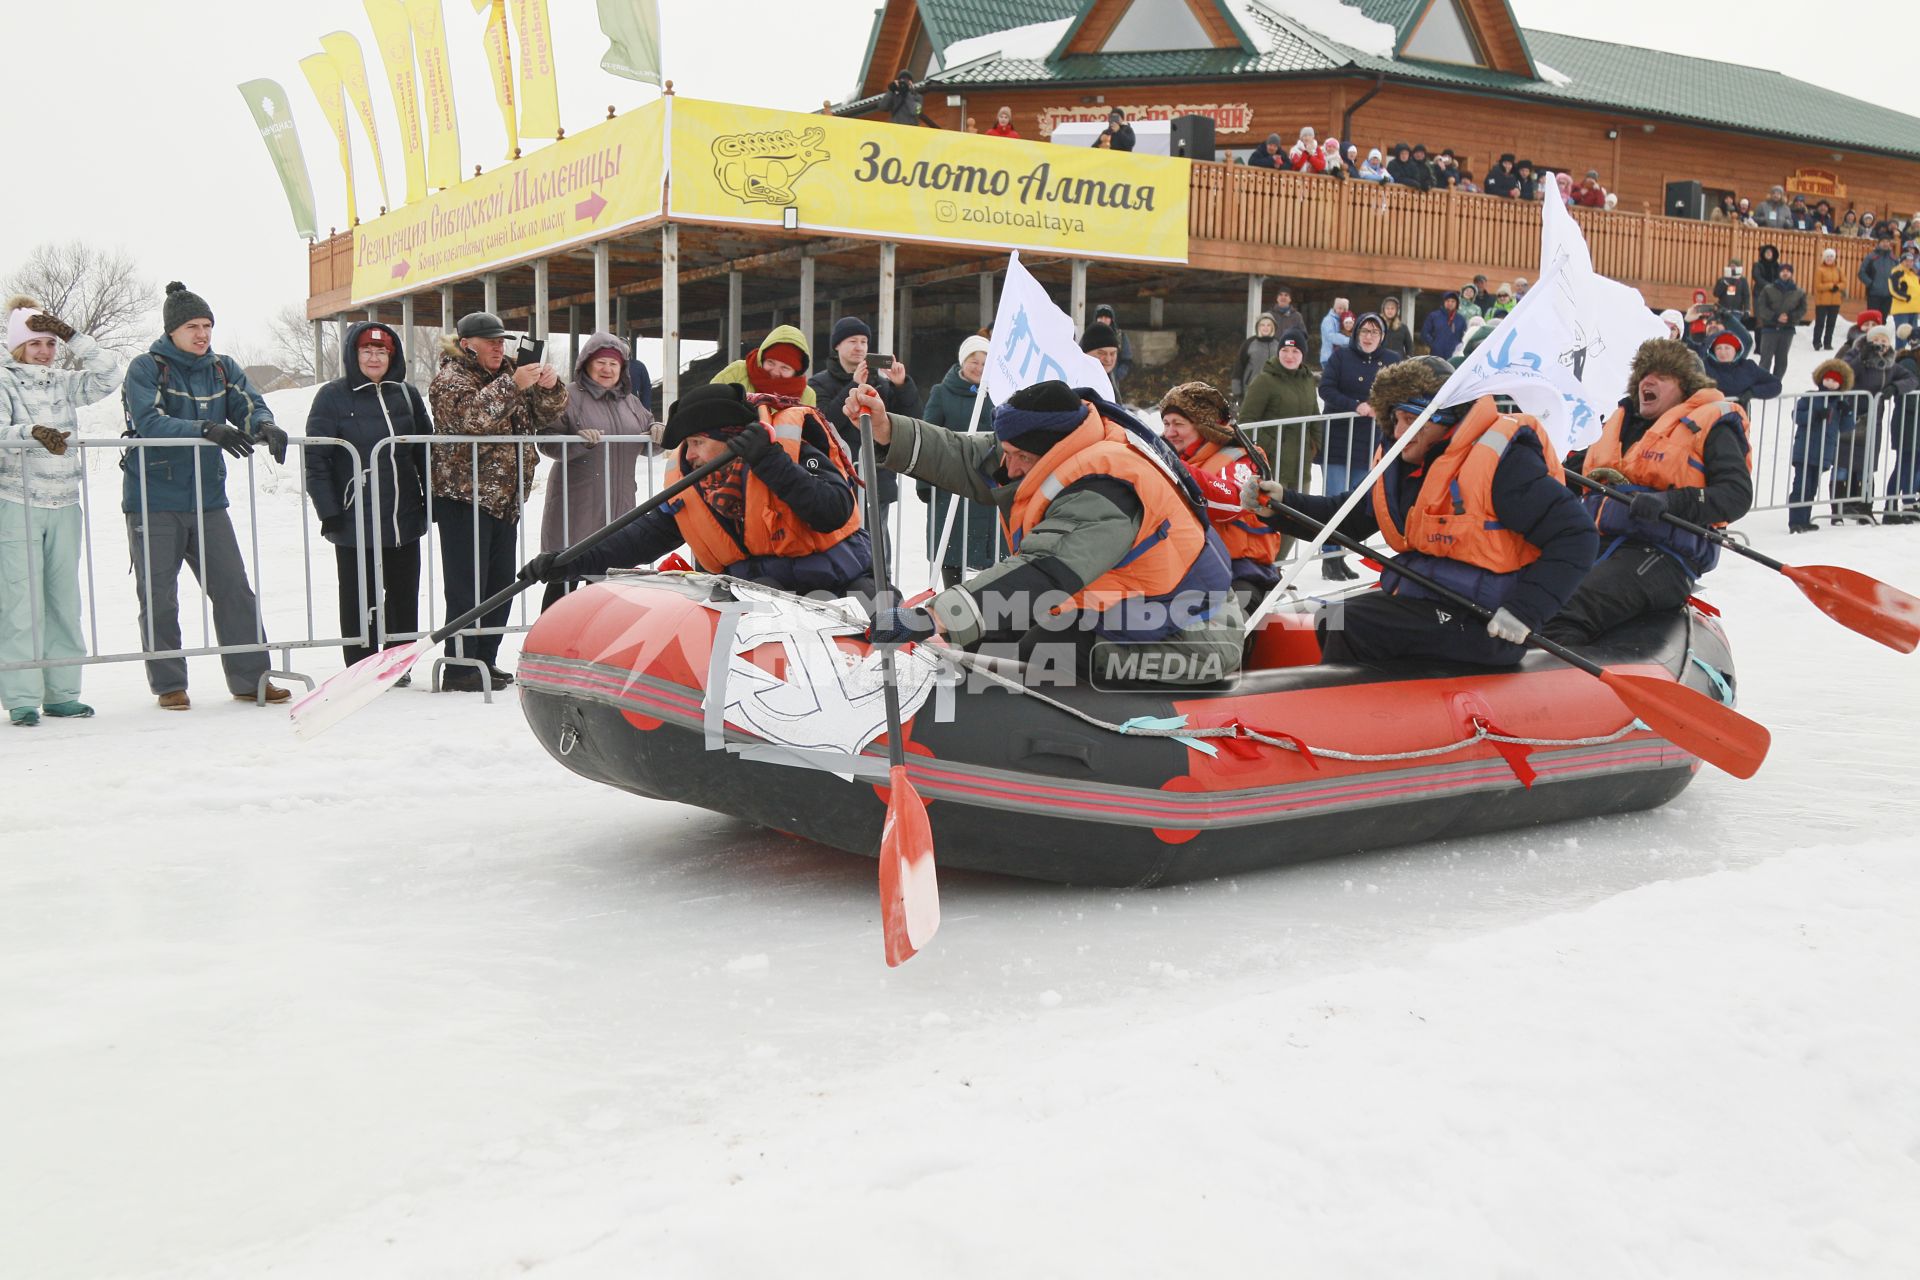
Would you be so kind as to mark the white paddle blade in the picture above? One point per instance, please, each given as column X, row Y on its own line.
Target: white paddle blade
column 354, row 688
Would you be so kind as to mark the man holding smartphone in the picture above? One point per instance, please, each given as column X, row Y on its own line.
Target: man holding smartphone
column 854, row 364
column 478, row 489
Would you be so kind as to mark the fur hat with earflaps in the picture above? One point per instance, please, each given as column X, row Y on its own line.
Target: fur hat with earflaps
column 1405, row 382
column 1201, row 404
column 1838, row 369
column 1673, row 358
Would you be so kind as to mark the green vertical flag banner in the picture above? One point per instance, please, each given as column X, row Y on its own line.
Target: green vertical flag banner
column 268, row 102
column 634, row 28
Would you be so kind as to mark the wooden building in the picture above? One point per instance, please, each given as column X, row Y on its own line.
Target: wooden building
column 1459, row 74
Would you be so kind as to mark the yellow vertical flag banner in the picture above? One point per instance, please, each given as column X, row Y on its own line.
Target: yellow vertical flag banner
column 395, row 41
column 352, row 66
column 325, row 81
column 436, row 84
column 500, row 68
column 539, row 87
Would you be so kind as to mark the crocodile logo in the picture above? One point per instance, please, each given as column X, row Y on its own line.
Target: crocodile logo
column 761, row 168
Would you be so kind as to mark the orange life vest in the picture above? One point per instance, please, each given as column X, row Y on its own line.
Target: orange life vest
column 1672, row 454
column 1246, row 537
column 770, row 527
column 1172, row 534
column 1453, row 517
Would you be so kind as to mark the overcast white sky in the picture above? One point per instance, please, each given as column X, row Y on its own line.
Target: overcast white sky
column 128, row 129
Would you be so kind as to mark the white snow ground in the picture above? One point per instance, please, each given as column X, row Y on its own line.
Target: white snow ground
column 413, row 1001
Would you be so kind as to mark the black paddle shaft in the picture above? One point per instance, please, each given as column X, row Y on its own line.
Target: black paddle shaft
column 588, row 543
column 1447, row 593
column 883, row 589
column 1714, row 536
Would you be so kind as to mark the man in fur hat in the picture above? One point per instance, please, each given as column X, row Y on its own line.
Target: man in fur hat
column 1477, row 502
column 1679, row 446
column 1114, row 566
column 1197, row 421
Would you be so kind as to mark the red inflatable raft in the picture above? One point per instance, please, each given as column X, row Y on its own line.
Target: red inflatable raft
column 1078, row 785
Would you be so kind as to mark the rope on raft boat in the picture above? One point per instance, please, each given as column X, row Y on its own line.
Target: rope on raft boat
column 1234, row 735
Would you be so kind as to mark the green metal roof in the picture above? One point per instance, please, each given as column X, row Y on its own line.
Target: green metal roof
column 1601, row 74
column 950, row 21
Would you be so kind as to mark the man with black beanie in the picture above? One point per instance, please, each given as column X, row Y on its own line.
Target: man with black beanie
column 849, row 342
column 175, row 500
column 1114, row 570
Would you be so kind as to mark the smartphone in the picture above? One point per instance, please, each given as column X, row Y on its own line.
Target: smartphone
column 877, row 363
column 530, row 352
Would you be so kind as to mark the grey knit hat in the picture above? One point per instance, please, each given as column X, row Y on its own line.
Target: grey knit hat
column 181, row 306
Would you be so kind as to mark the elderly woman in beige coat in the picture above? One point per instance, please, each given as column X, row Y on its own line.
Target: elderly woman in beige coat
column 594, row 481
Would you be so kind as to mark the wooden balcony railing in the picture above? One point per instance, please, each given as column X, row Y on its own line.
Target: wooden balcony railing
column 1410, row 235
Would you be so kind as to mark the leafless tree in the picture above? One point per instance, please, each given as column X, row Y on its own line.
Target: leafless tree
column 97, row 291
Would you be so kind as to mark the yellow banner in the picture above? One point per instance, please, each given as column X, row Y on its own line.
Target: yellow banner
column 352, row 66
column 593, row 183
column 539, row 88
column 745, row 164
column 395, row 40
column 324, row 79
column 436, row 82
column 500, row 69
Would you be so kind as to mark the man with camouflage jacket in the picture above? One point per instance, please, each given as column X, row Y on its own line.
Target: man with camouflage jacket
column 478, row 489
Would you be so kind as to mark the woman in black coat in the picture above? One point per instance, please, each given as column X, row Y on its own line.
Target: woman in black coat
column 373, row 495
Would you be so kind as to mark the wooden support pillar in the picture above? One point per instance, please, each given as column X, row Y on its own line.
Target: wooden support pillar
column 986, row 299
column 447, row 319
column 319, row 351
column 731, row 343
column 905, row 340
column 490, row 293
column 542, row 298
column 620, row 329
column 1256, row 289
column 406, row 339
column 1156, row 312
column 883, row 336
column 1408, row 299
column 573, row 336
column 1079, row 296
column 807, row 265
column 669, row 314
column 602, row 288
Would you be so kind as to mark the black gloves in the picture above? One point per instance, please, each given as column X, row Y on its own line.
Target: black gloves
column 542, row 568
column 232, row 439
column 54, row 442
column 752, row 444
column 330, row 525
column 1649, row 507
column 1685, row 504
column 276, row 441
column 900, row 626
column 44, row 323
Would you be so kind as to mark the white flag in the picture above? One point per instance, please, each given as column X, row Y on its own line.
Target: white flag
column 1564, row 353
column 1033, row 341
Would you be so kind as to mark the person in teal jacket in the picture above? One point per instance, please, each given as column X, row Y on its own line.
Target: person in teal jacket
column 175, row 497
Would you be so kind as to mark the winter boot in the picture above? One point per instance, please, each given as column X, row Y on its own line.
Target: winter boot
column 24, row 717
column 1336, row 569
column 501, row 679
column 69, row 710
column 275, row 694
column 175, row 701
column 459, row 680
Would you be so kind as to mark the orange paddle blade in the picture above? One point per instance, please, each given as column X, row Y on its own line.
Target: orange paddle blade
column 1694, row 722
column 1861, row 603
column 909, row 891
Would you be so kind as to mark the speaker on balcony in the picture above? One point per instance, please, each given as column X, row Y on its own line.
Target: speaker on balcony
column 1192, row 137
column 1686, row 200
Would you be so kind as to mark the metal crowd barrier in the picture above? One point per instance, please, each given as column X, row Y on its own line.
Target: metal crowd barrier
column 1877, row 459
column 133, row 452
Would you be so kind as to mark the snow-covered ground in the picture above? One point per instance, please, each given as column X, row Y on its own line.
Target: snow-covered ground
column 414, row 1001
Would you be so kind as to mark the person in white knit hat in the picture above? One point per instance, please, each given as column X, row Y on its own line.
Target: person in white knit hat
column 40, row 518
column 972, row 545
